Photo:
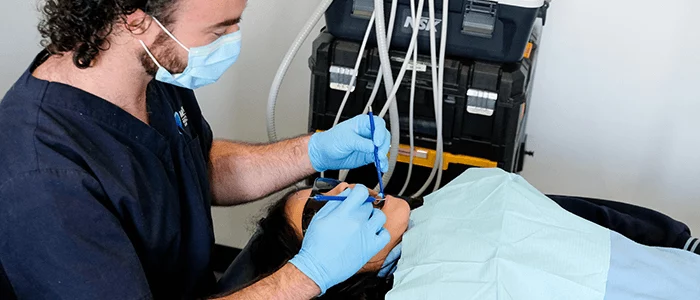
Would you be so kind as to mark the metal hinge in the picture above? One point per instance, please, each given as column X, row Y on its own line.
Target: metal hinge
column 481, row 102
column 341, row 77
column 480, row 18
column 362, row 8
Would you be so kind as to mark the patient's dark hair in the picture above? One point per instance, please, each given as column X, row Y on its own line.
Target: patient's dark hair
column 279, row 242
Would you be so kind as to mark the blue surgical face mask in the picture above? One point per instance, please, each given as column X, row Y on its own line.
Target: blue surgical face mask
column 205, row 64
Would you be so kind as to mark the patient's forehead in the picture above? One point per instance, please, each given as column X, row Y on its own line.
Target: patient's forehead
column 295, row 208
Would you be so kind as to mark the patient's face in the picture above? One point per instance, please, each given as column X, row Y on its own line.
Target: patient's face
column 396, row 210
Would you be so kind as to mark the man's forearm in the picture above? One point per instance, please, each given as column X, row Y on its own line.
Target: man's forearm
column 244, row 172
column 286, row 284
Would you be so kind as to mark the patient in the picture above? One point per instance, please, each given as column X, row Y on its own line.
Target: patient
column 287, row 219
column 502, row 236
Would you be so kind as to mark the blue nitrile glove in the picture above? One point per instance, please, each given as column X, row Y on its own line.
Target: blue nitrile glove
column 342, row 237
column 391, row 261
column 349, row 145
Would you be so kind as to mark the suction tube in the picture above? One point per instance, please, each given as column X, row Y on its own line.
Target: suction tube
column 388, row 86
column 392, row 19
column 436, row 100
column 284, row 66
column 412, row 102
column 441, row 82
column 411, row 47
column 356, row 70
column 380, row 75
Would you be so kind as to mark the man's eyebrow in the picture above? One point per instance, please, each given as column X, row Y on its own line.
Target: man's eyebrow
column 227, row 23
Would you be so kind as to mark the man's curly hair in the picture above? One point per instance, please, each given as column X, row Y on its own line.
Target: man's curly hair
column 82, row 26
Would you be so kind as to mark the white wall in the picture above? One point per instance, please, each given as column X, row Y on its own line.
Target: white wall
column 613, row 112
column 19, row 40
column 236, row 106
column 615, row 106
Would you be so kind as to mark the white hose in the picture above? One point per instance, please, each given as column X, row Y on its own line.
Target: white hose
column 436, row 100
column 286, row 62
column 342, row 175
column 375, row 91
column 356, row 70
column 441, row 82
column 389, row 85
column 412, row 45
column 412, row 101
column 380, row 75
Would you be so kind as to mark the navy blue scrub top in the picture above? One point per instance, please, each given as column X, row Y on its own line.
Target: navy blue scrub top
column 95, row 204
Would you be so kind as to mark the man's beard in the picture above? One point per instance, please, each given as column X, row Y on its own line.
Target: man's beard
column 163, row 50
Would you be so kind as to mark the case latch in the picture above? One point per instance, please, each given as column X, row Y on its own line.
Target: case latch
column 481, row 102
column 480, row 18
column 341, row 77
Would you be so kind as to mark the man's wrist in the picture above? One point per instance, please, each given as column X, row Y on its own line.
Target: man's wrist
column 308, row 159
column 306, row 286
column 288, row 283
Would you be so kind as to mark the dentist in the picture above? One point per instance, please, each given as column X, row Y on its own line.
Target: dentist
column 108, row 170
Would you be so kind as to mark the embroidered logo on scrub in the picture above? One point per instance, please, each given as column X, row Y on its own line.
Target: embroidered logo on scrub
column 181, row 118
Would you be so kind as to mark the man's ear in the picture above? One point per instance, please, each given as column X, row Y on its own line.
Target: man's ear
column 138, row 22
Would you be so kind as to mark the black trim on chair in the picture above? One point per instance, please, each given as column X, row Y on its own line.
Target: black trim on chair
column 222, row 257
column 639, row 224
column 240, row 273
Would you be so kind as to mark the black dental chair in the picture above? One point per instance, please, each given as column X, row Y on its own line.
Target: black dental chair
column 642, row 225
column 240, row 274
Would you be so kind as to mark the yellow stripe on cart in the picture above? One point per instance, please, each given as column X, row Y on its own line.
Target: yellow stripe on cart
column 426, row 158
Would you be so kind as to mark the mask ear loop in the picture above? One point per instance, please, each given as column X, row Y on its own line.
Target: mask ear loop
column 153, row 58
column 170, row 34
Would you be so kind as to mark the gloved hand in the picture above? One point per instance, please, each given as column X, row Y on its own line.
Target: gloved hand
column 391, row 261
column 349, row 145
column 342, row 237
